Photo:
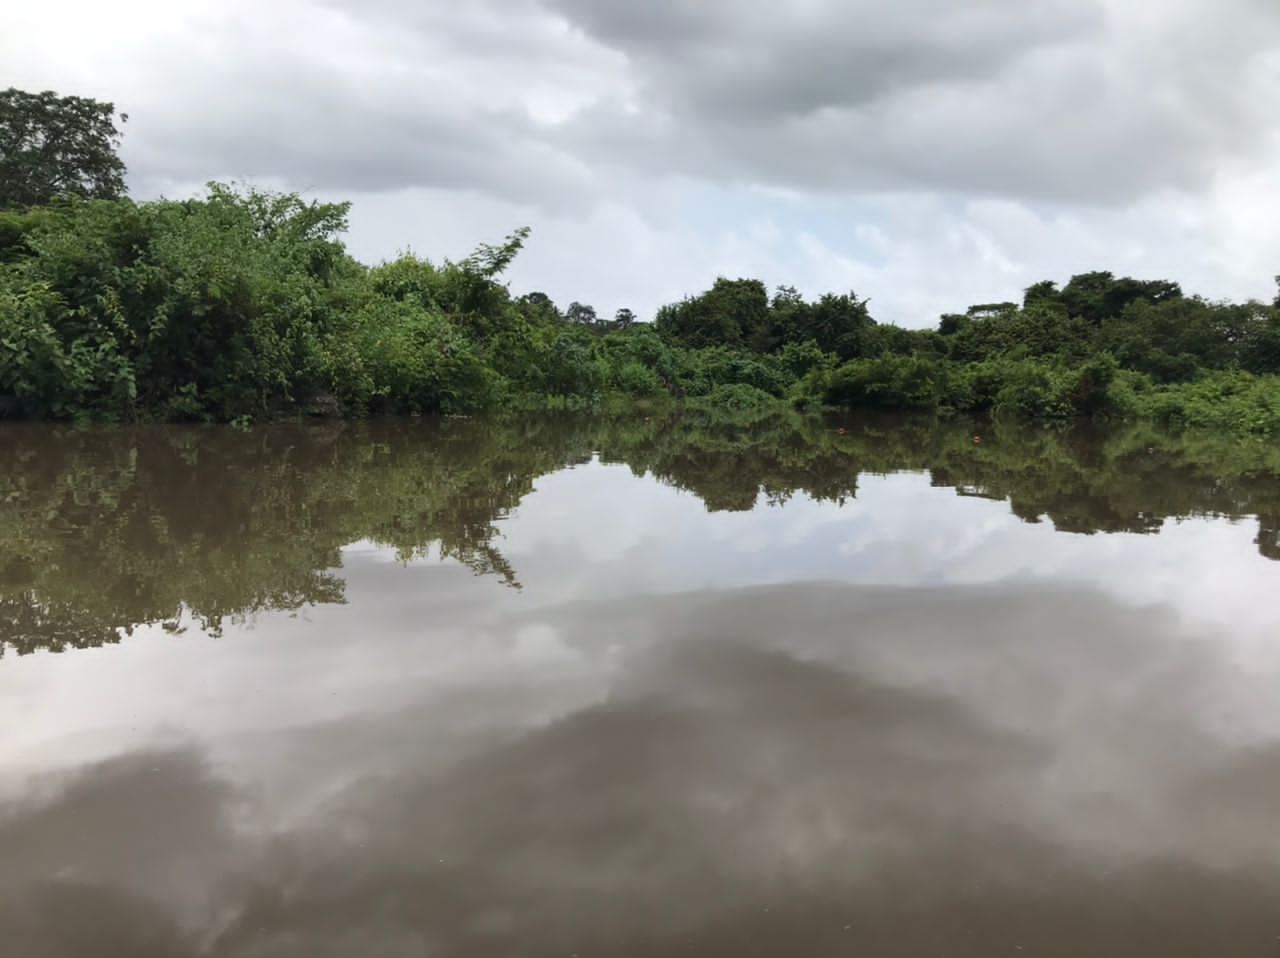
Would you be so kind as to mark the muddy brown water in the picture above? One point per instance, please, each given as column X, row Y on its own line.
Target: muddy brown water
column 573, row 686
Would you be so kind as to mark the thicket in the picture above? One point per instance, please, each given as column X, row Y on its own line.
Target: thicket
column 242, row 304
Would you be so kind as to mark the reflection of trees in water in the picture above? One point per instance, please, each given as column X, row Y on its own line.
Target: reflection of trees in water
column 30, row 624
column 105, row 529
column 101, row 530
column 1268, row 540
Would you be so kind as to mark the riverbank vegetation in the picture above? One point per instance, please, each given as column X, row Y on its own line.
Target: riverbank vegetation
column 242, row 305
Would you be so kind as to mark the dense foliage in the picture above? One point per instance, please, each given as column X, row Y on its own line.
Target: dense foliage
column 56, row 146
column 242, row 304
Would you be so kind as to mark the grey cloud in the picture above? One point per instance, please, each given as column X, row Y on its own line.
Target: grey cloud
column 1077, row 102
column 415, row 100
column 757, row 61
column 1046, row 101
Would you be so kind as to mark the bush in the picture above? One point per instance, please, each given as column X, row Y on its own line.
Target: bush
column 705, row 369
column 243, row 304
column 1227, row 402
column 42, row 373
column 401, row 357
column 1032, row 390
column 634, row 378
column 886, row 382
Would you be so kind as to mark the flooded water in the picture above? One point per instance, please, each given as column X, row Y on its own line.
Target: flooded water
column 562, row 686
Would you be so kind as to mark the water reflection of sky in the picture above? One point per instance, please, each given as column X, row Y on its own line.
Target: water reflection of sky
column 599, row 531
column 918, row 666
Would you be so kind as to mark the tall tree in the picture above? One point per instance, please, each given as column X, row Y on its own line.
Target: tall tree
column 55, row 146
column 580, row 313
column 623, row 318
column 539, row 306
column 733, row 312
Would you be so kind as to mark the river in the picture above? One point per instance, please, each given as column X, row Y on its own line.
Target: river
column 569, row 685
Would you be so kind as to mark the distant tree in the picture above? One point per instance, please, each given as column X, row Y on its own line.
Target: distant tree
column 841, row 324
column 1098, row 295
column 987, row 310
column 785, row 297
column 538, row 300
column 789, row 315
column 734, row 312
column 1043, row 291
column 623, row 318
column 57, row 146
column 539, row 306
column 581, row 314
column 471, row 286
column 1260, row 352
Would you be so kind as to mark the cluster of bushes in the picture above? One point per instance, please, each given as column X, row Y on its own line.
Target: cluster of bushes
column 245, row 305
column 1099, row 346
column 1029, row 388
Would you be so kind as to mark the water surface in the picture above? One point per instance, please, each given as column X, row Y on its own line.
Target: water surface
column 572, row 686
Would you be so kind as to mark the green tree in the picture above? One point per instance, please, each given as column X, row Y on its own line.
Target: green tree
column 839, row 324
column 581, row 314
column 57, row 146
column 539, row 307
column 1098, row 295
column 734, row 313
column 1043, row 291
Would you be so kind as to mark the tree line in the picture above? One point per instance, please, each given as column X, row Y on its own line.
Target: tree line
column 241, row 304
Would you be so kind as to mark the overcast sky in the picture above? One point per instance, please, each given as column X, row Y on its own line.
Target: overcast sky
column 926, row 153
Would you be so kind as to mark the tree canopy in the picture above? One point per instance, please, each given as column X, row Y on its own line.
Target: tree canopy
column 55, row 146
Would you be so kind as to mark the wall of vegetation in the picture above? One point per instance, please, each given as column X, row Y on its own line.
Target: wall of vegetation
column 243, row 305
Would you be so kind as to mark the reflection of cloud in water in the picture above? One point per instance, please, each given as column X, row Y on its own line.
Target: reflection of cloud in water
column 632, row 535
column 789, row 770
